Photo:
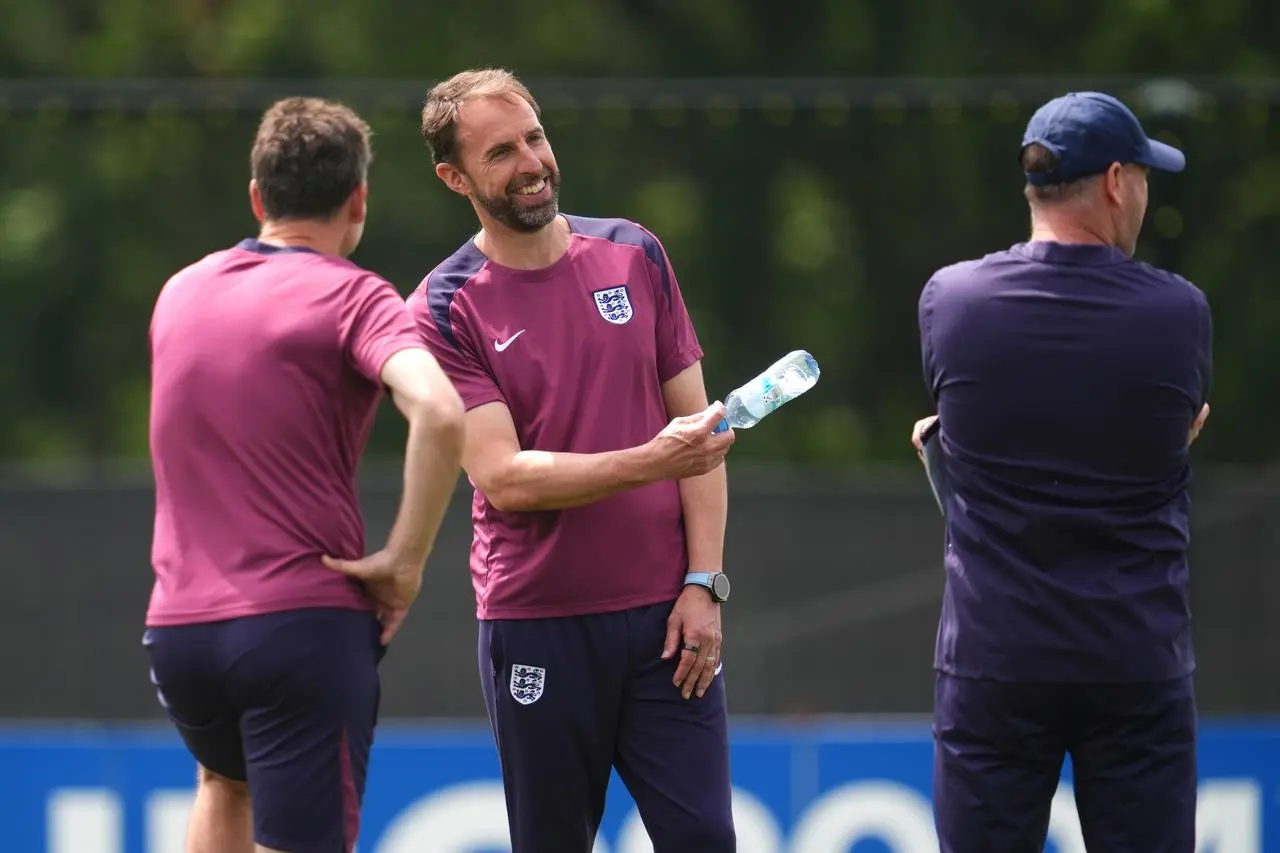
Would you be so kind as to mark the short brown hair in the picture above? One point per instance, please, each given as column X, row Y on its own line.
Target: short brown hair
column 440, row 109
column 309, row 156
column 1037, row 159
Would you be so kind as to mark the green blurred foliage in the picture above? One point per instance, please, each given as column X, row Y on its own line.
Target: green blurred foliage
column 789, row 228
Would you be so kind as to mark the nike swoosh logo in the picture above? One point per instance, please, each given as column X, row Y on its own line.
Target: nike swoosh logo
column 501, row 345
column 719, row 667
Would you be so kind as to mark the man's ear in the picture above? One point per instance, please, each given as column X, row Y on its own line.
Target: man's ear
column 255, row 202
column 358, row 204
column 1112, row 182
column 453, row 178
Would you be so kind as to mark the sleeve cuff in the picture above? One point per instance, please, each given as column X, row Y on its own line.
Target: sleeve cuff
column 681, row 362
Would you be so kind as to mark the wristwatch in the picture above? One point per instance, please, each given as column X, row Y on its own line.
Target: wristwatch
column 717, row 583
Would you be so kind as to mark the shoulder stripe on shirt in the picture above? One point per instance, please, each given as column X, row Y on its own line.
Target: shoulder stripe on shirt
column 443, row 283
column 625, row 233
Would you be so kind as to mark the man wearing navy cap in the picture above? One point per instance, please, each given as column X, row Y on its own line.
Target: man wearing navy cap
column 1069, row 381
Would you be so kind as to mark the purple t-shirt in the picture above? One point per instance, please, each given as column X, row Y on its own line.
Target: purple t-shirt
column 266, row 366
column 1066, row 379
column 578, row 352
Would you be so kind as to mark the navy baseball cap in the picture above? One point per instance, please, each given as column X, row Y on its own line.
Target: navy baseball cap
column 1087, row 132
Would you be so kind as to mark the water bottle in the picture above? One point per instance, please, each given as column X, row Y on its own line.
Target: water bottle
column 786, row 379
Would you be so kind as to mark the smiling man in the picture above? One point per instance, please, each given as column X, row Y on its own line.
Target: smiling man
column 600, row 500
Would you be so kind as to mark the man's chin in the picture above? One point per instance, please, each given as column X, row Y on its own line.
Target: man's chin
column 524, row 219
column 536, row 218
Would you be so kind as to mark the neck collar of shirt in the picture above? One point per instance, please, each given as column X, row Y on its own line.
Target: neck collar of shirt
column 1072, row 254
column 253, row 244
column 541, row 273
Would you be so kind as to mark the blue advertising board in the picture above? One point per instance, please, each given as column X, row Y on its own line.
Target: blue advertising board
column 825, row 787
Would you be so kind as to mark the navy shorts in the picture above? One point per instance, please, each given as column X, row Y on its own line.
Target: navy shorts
column 1000, row 748
column 286, row 702
column 570, row 698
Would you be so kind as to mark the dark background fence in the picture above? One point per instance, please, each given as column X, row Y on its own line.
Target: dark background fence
column 837, row 587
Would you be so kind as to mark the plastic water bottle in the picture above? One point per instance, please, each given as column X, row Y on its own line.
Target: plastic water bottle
column 786, row 379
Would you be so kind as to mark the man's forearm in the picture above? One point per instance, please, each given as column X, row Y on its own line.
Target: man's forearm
column 431, row 466
column 706, row 509
column 539, row 480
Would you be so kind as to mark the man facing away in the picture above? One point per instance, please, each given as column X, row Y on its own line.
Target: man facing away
column 1069, row 381
column 266, row 627
column 600, row 497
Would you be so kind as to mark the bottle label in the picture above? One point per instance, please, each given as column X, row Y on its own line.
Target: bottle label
column 770, row 395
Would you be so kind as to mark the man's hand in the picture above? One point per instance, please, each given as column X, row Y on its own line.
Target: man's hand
column 688, row 448
column 918, row 431
column 1199, row 423
column 393, row 584
column 693, row 629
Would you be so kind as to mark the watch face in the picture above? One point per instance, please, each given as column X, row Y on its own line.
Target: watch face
column 720, row 587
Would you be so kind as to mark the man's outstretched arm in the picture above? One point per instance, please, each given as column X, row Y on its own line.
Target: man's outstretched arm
column 516, row 480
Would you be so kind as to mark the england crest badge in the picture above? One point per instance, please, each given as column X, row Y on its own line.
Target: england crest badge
column 527, row 683
column 614, row 304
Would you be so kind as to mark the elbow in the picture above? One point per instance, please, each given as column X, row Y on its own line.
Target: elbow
column 442, row 415
column 505, row 498
column 506, row 493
